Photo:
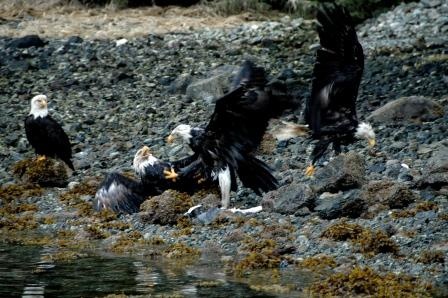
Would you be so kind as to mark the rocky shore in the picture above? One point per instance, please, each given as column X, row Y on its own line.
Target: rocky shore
column 377, row 218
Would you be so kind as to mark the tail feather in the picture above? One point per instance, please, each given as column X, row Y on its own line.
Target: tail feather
column 256, row 175
column 291, row 130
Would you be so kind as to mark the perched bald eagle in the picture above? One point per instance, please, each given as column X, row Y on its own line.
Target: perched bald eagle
column 330, row 112
column 46, row 135
column 224, row 149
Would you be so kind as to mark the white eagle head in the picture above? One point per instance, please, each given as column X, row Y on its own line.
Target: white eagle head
column 365, row 131
column 183, row 131
column 39, row 106
column 142, row 159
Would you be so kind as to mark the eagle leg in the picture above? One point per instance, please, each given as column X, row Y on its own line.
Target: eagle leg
column 225, row 183
column 310, row 170
column 171, row 174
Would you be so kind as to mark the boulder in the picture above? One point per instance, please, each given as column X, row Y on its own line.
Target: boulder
column 27, row 41
column 388, row 193
column 408, row 109
column 46, row 172
column 165, row 209
column 435, row 174
column 289, row 199
column 347, row 204
column 344, row 172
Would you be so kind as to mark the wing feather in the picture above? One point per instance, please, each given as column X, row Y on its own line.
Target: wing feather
column 337, row 73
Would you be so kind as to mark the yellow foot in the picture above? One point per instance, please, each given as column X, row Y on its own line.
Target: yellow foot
column 310, row 171
column 201, row 180
column 171, row 174
column 41, row 158
column 170, row 139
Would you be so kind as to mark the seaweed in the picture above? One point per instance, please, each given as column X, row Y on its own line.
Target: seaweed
column 318, row 263
column 374, row 242
column 431, row 256
column 44, row 172
column 366, row 282
column 343, row 231
column 261, row 254
column 11, row 192
column 128, row 242
column 180, row 250
column 368, row 241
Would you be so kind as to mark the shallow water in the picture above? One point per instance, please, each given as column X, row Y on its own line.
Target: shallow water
column 25, row 272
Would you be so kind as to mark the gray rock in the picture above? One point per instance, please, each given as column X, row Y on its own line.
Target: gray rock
column 27, row 42
column 389, row 193
column 408, row 109
column 344, row 172
column 289, row 199
column 435, row 173
column 348, row 204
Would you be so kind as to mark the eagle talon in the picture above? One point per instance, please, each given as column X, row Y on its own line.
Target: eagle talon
column 41, row 158
column 171, row 174
column 310, row 171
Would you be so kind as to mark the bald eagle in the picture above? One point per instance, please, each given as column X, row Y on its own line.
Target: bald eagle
column 224, row 149
column 152, row 172
column 125, row 195
column 45, row 135
column 330, row 112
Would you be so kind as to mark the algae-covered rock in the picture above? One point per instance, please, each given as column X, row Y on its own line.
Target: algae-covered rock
column 389, row 193
column 166, row 208
column 46, row 172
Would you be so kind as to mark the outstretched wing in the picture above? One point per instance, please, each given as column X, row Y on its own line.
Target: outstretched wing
column 240, row 117
column 337, row 74
column 236, row 128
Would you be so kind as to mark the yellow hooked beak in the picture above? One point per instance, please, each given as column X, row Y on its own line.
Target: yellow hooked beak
column 170, row 139
column 372, row 142
column 145, row 150
column 43, row 104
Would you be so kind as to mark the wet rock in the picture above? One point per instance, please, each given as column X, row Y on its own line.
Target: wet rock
column 344, row 172
column 201, row 215
column 74, row 40
column 47, row 172
column 27, row 41
column 389, row 193
column 166, row 208
column 347, row 204
column 289, row 199
column 408, row 109
column 435, row 173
